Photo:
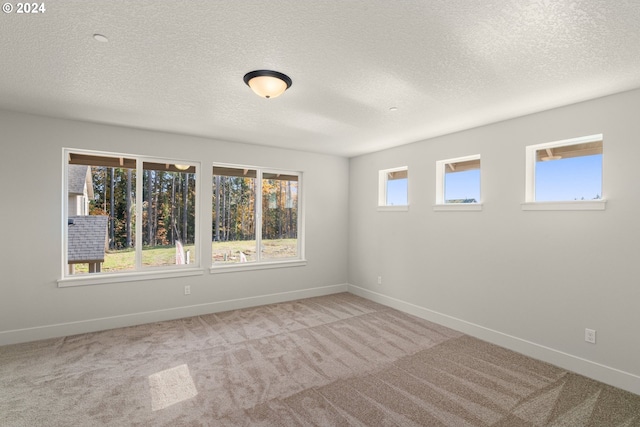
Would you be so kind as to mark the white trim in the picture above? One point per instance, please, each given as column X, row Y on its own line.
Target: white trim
column 458, row 207
column 393, row 208
column 64, row 221
column 139, row 207
column 577, row 205
column 133, row 276
column 257, row 215
column 98, row 324
column 570, row 141
column 302, row 254
column 248, row 266
column 606, row 374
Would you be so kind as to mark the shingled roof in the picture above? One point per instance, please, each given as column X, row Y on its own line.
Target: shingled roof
column 78, row 177
column 87, row 238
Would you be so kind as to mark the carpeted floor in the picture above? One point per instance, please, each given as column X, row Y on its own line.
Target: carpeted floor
column 338, row 360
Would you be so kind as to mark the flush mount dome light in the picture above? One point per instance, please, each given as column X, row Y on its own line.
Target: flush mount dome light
column 100, row 38
column 267, row 83
column 182, row 167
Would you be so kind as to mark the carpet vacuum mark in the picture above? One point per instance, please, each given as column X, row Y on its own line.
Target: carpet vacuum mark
column 325, row 361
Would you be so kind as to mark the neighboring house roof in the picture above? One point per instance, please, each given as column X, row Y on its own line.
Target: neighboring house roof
column 78, row 177
column 87, row 238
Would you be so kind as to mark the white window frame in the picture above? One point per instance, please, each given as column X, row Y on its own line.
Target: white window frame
column 530, row 204
column 140, row 272
column 382, row 190
column 267, row 263
column 441, row 204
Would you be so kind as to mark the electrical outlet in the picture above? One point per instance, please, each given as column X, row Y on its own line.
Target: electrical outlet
column 590, row 335
column 187, row 290
column 379, row 280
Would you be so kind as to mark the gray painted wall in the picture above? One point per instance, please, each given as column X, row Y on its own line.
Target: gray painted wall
column 33, row 306
column 532, row 281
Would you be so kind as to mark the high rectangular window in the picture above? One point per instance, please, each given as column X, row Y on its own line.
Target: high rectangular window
column 458, row 180
column 127, row 213
column 393, row 187
column 565, row 171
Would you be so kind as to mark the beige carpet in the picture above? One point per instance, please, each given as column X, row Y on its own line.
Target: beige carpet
column 338, row 360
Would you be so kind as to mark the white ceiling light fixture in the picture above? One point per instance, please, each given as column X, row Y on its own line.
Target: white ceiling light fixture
column 182, row 167
column 100, row 38
column 266, row 83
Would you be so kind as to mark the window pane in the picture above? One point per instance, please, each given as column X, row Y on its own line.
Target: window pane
column 168, row 223
column 462, row 182
column 397, row 192
column 101, row 208
column 279, row 216
column 578, row 178
column 568, row 173
column 397, row 188
column 234, row 207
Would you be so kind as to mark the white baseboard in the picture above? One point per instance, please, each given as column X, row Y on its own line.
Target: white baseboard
column 606, row 374
column 92, row 325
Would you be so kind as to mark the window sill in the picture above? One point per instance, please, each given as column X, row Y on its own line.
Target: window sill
column 577, row 205
column 103, row 278
column 249, row 266
column 403, row 208
column 458, row 207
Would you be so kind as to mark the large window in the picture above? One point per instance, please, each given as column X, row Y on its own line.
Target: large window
column 255, row 215
column 565, row 171
column 125, row 213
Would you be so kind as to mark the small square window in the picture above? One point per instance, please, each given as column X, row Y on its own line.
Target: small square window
column 393, row 187
column 565, row 171
column 458, row 180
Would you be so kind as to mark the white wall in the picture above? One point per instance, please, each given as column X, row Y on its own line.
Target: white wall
column 32, row 306
column 531, row 281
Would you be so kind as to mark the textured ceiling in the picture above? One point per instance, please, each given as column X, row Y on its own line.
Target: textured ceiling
column 446, row 65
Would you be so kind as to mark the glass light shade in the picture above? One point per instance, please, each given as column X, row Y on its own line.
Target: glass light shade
column 182, row 167
column 267, row 86
column 267, row 83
